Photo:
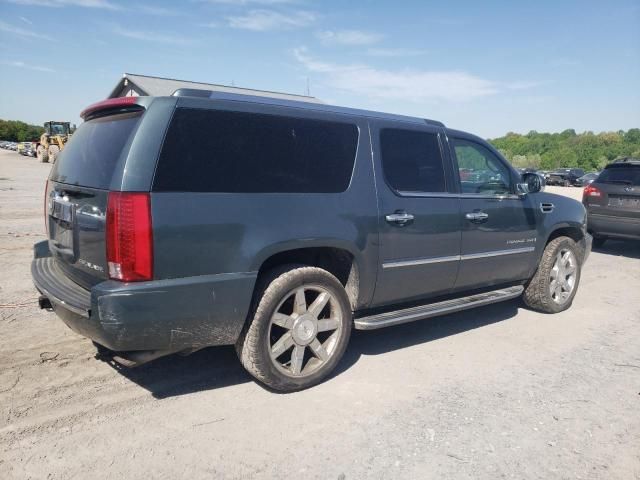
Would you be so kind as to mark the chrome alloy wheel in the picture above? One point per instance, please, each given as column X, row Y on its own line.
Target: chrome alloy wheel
column 563, row 276
column 304, row 330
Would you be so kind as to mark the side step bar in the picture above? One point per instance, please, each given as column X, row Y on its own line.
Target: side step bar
column 434, row 309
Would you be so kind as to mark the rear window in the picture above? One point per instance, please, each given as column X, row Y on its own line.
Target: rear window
column 627, row 175
column 233, row 152
column 91, row 156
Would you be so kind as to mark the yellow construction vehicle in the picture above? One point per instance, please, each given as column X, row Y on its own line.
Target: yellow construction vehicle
column 53, row 140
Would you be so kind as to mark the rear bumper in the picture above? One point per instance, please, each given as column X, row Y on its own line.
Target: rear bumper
column 172, row 315
column 616, row 227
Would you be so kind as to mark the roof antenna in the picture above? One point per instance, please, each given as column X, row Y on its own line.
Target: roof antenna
column 308, row 89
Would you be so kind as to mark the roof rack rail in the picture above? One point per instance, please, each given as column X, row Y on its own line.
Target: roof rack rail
column 435, row 123
column 627, row 160
column 191, row 92
column 303, row 102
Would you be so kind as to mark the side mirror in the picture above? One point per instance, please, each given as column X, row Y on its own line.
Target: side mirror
column 531, row 183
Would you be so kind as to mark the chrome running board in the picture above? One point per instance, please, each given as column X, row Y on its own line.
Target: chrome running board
column 434, row 309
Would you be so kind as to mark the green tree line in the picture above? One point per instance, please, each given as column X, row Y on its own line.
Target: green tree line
column 548, row 151
column 17, row 131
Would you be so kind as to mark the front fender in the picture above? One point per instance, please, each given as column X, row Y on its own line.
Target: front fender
column 567, row 214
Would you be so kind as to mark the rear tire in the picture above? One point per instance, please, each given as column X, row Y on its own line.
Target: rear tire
column 555, row 283
column 298, row 329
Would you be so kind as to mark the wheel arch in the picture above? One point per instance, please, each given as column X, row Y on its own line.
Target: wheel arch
column 572, row 231
column 337, row 257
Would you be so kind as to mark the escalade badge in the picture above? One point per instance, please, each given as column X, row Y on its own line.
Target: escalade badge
column 90, row 265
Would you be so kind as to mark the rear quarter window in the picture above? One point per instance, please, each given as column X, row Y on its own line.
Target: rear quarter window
column 91, row 156
column 234, row 152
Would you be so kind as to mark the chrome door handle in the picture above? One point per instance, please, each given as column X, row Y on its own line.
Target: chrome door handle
column 399, row 218
column 477, row 217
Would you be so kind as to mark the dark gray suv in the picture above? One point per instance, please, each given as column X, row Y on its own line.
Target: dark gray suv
column 612, row 201
column 177, row 223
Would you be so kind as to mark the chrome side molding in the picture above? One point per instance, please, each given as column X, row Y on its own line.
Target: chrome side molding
column 497, row 253
column 420, row 261
column 469, row 256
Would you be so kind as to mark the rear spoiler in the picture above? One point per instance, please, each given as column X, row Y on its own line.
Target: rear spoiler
column 112, row 105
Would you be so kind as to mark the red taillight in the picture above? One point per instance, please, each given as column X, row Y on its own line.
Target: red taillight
column 591, row 191
column 129, row 236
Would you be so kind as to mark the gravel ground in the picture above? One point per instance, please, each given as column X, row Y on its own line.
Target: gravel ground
column 496, row 392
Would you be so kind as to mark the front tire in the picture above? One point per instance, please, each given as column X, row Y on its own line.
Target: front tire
column 54, row 151
column 42, row 154
column 299, row 328
column 555, row 283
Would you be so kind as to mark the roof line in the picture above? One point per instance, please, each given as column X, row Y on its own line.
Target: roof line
column 218, row 85
column 321, row 107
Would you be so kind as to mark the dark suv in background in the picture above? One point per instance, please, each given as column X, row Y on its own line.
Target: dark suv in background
column 565, row 176
column 613, row 202
column 176, row 223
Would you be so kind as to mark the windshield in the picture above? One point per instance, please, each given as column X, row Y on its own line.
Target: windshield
column 58, row 129
column 91, row 156
column 629, row 175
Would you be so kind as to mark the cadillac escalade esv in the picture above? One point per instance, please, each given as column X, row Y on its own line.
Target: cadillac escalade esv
column 204, row 218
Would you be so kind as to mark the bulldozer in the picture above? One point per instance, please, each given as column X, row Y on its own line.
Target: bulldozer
column 53, row 140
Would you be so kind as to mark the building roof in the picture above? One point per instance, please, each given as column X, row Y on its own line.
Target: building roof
column 160, row 87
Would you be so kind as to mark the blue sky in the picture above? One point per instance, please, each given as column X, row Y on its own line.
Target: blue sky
column 486, row 67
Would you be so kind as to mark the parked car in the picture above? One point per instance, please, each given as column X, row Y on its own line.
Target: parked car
column 586, row 179
column 564, row 176
column 613, row 202
column 206, row 218
column 23, row 147
column 29, row 150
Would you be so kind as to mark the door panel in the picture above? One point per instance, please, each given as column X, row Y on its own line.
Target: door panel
column 419, row 231
column 498, row 232
column 501, row 248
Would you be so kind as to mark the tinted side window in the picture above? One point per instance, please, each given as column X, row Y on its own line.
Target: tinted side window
column 412, row 161
column 221, row 151
column 480, row 170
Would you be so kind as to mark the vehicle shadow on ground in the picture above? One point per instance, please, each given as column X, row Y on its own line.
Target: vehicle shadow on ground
column 630, row 249
column 218, row 367
column 175, row 375
column 386, row 340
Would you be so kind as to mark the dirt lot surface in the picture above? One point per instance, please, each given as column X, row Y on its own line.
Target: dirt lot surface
column 497, row 392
